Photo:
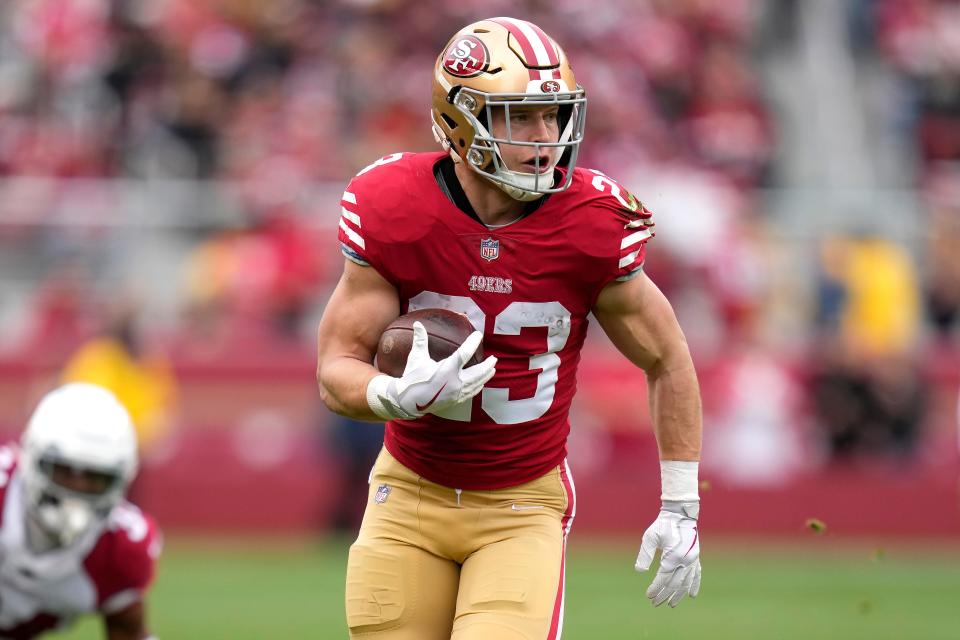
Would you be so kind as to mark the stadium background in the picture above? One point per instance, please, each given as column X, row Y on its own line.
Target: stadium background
column 169, row 179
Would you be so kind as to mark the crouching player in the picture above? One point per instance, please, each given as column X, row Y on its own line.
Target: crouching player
column 70, row 544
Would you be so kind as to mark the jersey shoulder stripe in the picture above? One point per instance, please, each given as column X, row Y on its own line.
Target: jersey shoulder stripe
column 383, row 205
column 628, row 222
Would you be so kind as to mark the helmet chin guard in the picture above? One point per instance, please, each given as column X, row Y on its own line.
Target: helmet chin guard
column 67, row 519
column 506, row 63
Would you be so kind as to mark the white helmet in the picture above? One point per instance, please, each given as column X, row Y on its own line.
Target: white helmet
column 81, row 428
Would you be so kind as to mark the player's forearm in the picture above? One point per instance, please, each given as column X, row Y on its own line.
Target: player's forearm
column 343, row 385
column 676, row 411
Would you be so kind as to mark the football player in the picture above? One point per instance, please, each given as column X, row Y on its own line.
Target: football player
column 471, row 499
column 69, row 542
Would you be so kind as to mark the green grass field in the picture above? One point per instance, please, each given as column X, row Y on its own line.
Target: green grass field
column 821, row 589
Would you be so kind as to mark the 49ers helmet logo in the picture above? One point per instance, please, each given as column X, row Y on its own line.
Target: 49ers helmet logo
column 550, row 86
column 466, row 57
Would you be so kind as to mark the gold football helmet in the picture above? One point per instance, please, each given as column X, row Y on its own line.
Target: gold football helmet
column 504, row 63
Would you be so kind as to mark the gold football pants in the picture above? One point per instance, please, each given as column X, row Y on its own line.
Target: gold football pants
column 435, row 563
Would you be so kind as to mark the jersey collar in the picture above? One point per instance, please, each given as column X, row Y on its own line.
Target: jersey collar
column 446, row 176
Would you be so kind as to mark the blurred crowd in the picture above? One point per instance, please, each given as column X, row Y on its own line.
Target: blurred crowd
column 269, row 98
column 921, row 40
column 292, row 90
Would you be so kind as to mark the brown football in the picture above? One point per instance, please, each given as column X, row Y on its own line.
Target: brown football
column 446, row 330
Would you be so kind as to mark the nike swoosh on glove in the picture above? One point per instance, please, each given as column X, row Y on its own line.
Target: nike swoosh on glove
column 428, row 385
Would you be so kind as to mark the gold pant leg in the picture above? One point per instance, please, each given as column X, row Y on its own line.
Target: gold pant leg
column 434, row 564
column 511, row 587
column 396, row 589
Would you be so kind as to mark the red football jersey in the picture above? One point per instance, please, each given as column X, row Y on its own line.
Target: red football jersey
column 105, row 570
column 528, row 286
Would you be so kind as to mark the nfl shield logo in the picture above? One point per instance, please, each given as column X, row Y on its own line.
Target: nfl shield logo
column 489, row 249
column 383, row 492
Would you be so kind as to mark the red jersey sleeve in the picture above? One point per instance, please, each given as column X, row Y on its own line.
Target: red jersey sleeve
column 9, row 456
column 123, row 562
column 377, row 211
column 637, row 229
column 621, row 223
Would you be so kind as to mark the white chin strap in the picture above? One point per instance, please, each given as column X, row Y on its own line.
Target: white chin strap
column 67, row 520
column 522, row 183
column 517, row 184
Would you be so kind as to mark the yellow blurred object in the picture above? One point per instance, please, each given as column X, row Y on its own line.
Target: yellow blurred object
column 145, row 386
column 882, row 314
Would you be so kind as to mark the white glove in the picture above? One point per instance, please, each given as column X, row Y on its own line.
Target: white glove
column 429, row 386
column 675, row 531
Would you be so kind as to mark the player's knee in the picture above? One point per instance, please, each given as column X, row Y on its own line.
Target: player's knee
column 374, row 595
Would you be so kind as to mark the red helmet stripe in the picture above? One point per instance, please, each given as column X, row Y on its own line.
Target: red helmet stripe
column 547, row 74
column 537, row 49
column 529, row 57
column 551, row 51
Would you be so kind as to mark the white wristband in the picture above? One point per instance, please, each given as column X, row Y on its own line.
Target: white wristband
column 678, row 480
column 377, row 388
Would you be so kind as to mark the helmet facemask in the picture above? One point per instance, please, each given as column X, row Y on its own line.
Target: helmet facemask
column 484, row 154
column 67, row 500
